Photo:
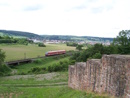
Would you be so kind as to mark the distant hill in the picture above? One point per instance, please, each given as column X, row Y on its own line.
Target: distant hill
column 55, row 37
column 76, row 38
column 21, row 33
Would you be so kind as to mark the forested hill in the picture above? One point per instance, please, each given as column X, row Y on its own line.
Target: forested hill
column 55, row 37
column 76, row 38
column 21, row 33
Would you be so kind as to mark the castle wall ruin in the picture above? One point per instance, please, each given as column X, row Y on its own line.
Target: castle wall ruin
column 110, row 74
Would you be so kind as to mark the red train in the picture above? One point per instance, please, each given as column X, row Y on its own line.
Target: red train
column 51, row 53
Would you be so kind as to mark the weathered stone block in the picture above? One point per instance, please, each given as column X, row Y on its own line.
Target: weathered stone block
column 111, row 74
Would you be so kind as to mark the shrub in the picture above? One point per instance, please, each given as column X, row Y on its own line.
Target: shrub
column 35, row 69
column 41, row 45
column 61, row 66
column 97, row 56
column 37, row 61
column 1, row 74
column 57, row 67
column 61, row 62
column 38, row 70
column 22, row 73
column 51, row 68
column 79, row 47
column 71, row 62
column 4, row 70
column 2, row 57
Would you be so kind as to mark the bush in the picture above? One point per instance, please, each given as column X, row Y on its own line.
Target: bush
column 72, row 62
column 2, row 57
column 97, row 56
column 1, row 74
column 95, row 51
column 61, row 66
column 4, row 70
column 22, row 73
column 71, row 44
column 79, row 47
column 41, row 45
column 51, row 68
column 35, row 69
column 37, row 61
column 38, row 70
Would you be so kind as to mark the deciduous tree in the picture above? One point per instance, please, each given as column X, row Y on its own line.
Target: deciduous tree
column 123, row 42
column 2, row 57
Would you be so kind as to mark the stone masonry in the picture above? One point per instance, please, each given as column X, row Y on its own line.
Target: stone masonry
column 110, row 74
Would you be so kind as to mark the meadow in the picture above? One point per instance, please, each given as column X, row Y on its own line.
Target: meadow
column 20, row 83
column 35, row 85
column 16, row 52
column 47, row 92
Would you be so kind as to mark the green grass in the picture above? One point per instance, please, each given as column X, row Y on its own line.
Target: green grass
column 45, row 62
column 46, row 92
column 55, row 77
column 29, row 88
column 15, row 52
column 49, row 85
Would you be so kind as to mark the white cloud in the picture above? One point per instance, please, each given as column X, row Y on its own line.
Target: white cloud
column 66, row 17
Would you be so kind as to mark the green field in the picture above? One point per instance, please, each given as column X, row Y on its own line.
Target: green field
column 46, row 92
column 15, row 52
column 21, row 83
column 48, row 85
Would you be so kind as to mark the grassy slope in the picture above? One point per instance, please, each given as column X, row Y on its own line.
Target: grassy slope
column 15, row 52
column 45, row 63
column 19, row 88
column 52, row 85
column 48, row 92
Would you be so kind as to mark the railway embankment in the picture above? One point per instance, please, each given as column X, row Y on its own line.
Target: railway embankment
column 29, row 60
column 110, row 74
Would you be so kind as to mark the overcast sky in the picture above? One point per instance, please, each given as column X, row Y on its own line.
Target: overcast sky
column 103, row 18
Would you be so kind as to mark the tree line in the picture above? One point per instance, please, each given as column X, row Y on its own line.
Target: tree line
column 75, row 38
column 120, row 45
column 7, row 39
column 21, row 33
column 54, row 37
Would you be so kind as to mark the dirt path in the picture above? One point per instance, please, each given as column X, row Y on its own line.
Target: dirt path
column 39, row 82
column 36, row 85
column 38, row 77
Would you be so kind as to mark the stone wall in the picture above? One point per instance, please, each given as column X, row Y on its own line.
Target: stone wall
column 111, row 74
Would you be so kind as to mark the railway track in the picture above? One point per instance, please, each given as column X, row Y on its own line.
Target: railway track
column 29, row 60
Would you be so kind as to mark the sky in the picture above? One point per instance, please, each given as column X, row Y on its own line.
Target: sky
column 101, row 18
